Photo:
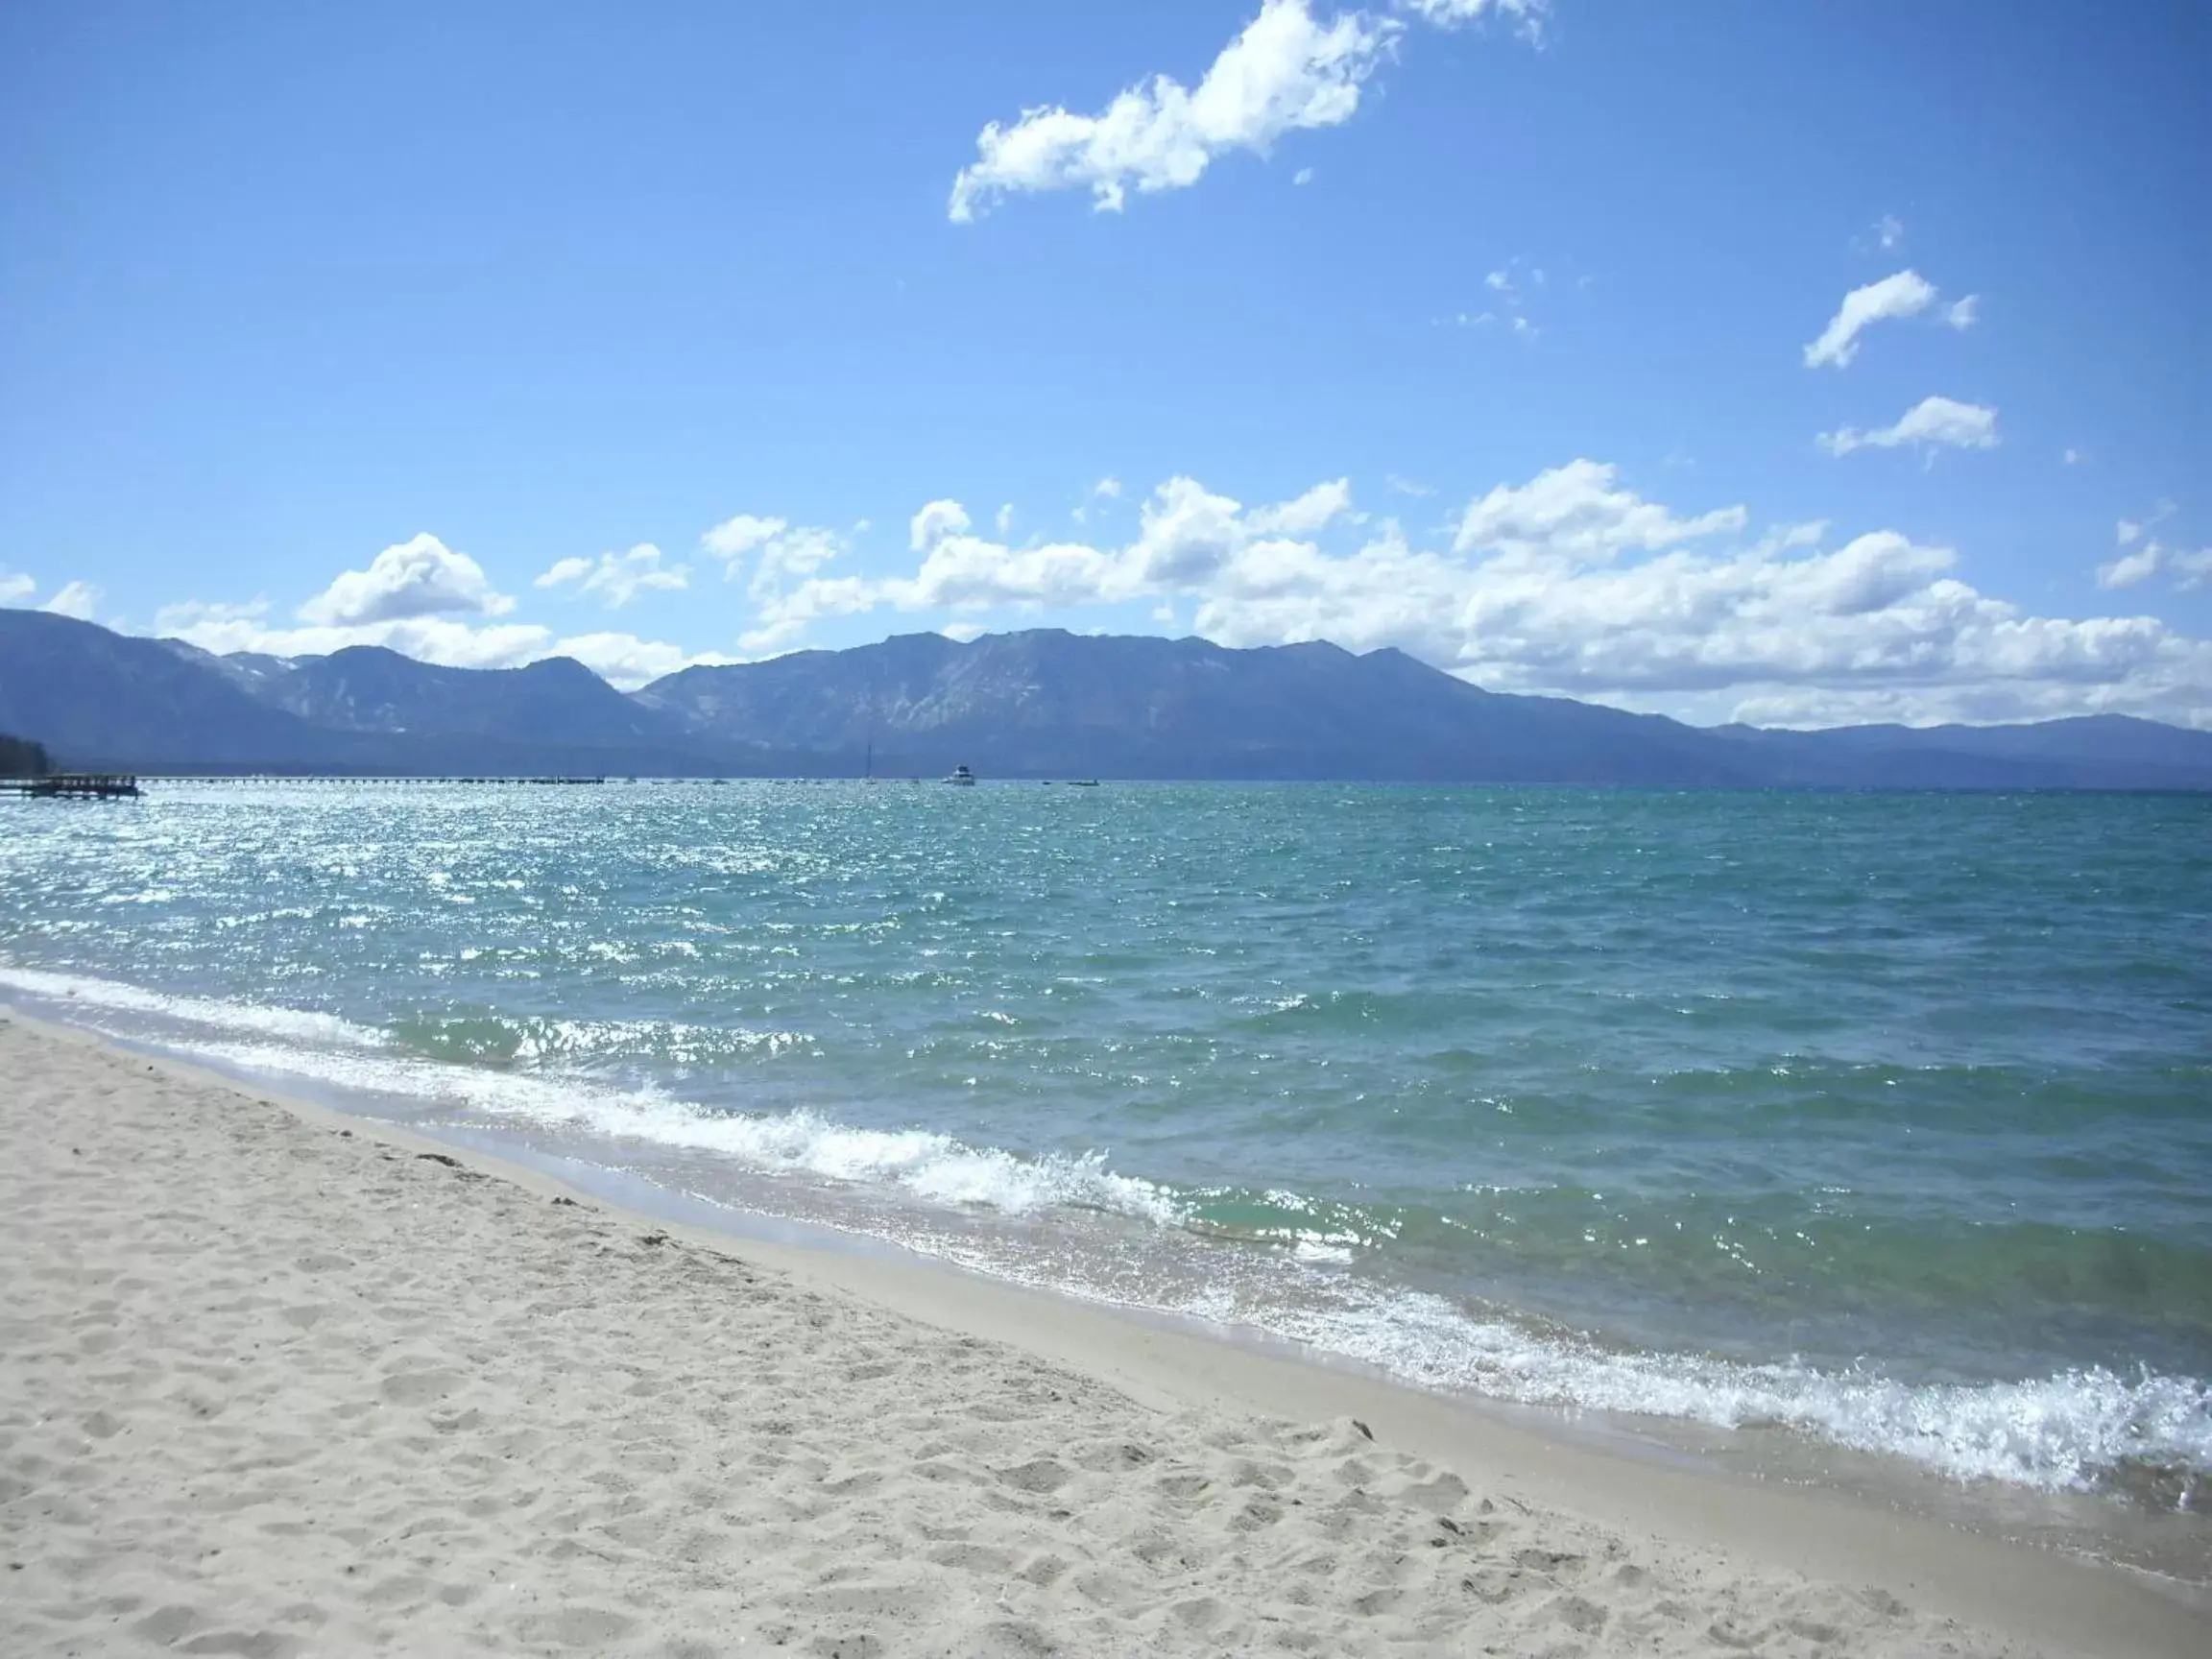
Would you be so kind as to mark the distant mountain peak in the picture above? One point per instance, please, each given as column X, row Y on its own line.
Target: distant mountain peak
column 1039, row 702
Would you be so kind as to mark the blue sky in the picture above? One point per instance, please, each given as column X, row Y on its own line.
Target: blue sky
column 1512, row 334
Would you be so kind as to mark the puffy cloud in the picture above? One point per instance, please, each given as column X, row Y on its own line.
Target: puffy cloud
column 177, row 621
column 934, row 522
column 2130, row 569
column 1186, row 533
column 734, row 538
column 1932, row 423
column 2073, row 457
column 1890, row 232
column 968, row 573
column 78, row 599
column 617, row 577
column 418, row 578
column 1907, row 294
column 1309, row 513
column 625, row 662
column 227, row 628
column 800, row 551
column 15, row 586
column 781, row 552
column 1579, row 511
column 1573, row 581
column 1287, row 71
column 783, row 617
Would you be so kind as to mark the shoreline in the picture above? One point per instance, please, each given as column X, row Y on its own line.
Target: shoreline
column 2029, row 1598
column 1756, row 1436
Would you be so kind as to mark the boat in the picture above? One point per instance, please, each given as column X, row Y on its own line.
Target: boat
column 962, row 777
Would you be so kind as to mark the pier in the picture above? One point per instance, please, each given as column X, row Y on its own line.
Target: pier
column 77, row 786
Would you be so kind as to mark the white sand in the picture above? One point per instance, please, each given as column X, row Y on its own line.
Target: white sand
column 273, row 1381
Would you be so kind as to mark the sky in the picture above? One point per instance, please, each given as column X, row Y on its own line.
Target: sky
column 1740, row 360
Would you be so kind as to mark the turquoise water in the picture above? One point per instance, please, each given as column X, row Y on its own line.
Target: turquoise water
column 1883, row 1118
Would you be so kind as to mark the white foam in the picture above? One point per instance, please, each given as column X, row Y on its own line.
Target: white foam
column 2062, row 1432
column 2065, row 1430
column 934, row 1167
column 82, row 993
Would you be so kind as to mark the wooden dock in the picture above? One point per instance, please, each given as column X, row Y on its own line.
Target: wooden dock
column 74, row 785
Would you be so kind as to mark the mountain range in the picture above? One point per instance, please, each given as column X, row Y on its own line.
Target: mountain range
column 1042, row 703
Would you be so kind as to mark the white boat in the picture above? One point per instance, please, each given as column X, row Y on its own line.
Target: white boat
column 962, row 777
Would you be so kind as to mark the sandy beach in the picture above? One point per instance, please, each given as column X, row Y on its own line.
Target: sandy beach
column 282, row 1382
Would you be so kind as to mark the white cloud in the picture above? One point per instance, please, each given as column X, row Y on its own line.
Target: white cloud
column 782, row 552
column 1573, row 581
column 734, row 538
column 1580, row 512
column 625, row 662
column 2130, row 569
column 1932, row 423
column 1890, row 232
column 1408, row 486
column 2073, row 457
column 1304, row 176
column 799, row 551
column 78, row 599
column 2150, row 555
column 2130, row 531
column 227, row 628
column 1528, row 15
column 1569, row 581
column 934, row 522
column 1186, row 534
column 617, row 577
column 1964, row 313
column 1288, row 70
column 14, row 585
column 1309, row 512
column 176, row 621
column 573, row 568
column 1005, row 521
column 418, row 578
column 1906, row 294
column 1109, row 486
column 783, row 616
